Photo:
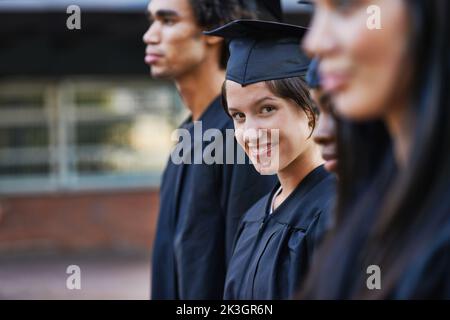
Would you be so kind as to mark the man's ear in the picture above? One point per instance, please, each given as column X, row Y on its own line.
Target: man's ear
column 212, row 40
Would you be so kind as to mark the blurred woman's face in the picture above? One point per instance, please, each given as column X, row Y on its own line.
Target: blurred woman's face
column 273, row 131
column 363, row 69
column 325, row 133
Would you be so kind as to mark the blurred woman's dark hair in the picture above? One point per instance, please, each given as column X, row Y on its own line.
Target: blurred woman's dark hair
column 386, row 216
column 293, row 89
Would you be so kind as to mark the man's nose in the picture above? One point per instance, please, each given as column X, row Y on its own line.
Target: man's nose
column 152, row 35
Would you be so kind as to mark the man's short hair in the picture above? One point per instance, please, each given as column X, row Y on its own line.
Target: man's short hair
column 211, row 14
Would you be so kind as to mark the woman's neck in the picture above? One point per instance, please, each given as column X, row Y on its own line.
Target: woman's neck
column 291, row 176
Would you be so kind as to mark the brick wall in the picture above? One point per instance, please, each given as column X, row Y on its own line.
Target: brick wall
column 65, row 222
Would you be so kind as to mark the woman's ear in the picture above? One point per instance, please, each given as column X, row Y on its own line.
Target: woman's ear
column 212, row 40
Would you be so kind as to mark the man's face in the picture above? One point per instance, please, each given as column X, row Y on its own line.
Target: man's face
column 175, row 43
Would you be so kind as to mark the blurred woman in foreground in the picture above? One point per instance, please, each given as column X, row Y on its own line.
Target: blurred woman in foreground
column 393, row 219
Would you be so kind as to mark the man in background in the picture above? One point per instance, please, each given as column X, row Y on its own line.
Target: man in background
column 200, row 204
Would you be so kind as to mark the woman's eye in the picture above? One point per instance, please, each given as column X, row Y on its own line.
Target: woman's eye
column 267, row 109
column 238, row 116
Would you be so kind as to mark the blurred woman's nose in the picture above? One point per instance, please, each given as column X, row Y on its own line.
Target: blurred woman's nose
column 319, row 39
column 152, row 35
column 325, row 131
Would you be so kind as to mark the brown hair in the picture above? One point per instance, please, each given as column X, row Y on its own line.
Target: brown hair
column 294, row 89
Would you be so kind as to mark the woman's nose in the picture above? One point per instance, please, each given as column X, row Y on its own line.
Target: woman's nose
column 319, row 40
column 325, row 131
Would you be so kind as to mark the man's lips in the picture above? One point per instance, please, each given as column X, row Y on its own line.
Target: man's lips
column 151, row 57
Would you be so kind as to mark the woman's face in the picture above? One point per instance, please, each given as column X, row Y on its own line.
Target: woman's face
column 364, row 69
column 325, row 133
column 272, row 131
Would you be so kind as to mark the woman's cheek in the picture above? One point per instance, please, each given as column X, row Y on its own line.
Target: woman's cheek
column 239, row 135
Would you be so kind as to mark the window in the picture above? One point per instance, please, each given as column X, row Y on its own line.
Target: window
column 85, row 134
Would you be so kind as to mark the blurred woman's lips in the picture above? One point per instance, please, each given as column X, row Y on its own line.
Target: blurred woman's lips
column 331, row 165
column 329, row 156
column 331, row 160
column 333, row 81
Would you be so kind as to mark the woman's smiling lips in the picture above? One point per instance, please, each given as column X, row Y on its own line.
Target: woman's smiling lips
column 264, row 150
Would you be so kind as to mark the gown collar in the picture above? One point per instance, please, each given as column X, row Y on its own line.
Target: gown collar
column 306, row 198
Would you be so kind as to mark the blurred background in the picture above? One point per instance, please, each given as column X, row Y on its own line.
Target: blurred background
column 84, row 138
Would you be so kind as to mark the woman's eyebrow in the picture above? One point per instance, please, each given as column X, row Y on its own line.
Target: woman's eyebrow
column 254, row 104
column 260, row 100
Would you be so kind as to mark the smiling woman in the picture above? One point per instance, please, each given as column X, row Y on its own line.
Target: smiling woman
column 275, row 102
column 265, row 92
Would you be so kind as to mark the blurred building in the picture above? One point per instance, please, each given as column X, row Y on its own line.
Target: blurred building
column 84, row 130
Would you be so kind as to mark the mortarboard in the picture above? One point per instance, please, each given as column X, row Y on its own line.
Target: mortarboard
column 263, row 50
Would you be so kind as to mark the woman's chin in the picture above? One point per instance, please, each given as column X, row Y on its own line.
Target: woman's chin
column 266, row 167
column 266, row 171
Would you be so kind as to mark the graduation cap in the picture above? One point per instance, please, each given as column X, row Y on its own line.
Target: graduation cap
column 263, row 50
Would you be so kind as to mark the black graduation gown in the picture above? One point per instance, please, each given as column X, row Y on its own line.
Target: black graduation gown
column 273, row 252
column 428, row 276
column 200, row 209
